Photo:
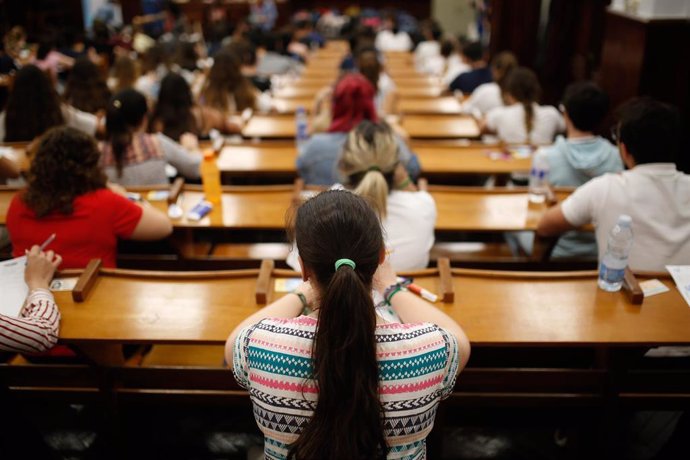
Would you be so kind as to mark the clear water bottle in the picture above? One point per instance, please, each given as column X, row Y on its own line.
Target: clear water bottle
column 612, row 266
column 301, row 132
column 538, row 178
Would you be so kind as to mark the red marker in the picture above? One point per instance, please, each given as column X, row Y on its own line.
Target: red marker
column 423, row 293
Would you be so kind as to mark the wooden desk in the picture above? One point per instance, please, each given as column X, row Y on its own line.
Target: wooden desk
column 278, row 158
column 289, row 105
column 258, row 160
column 467, row 209
column 270, row 126
column 471, row 209
column 299, row 92
column 448, row 105
column 418, row 92
column 504, row 309
column 440, row 126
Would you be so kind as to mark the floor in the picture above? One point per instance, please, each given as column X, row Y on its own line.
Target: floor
column 206, row 433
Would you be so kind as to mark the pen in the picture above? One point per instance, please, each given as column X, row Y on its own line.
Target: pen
column 47, row 242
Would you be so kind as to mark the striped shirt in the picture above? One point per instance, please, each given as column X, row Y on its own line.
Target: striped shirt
column 36, row 329
column 417, row 368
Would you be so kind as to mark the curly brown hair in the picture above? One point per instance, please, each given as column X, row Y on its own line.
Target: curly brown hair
column 65, row 166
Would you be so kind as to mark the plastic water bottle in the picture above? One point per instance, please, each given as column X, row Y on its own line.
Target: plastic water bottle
column 210, row 178
column 612, row 266
column 538, row 182
column 301, row 132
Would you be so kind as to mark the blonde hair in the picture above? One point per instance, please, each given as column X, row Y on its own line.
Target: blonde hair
column 368, row 162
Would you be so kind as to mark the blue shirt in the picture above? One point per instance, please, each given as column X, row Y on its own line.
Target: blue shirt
column 468, row 81
column 317, row 163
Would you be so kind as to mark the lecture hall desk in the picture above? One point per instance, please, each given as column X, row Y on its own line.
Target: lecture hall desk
column 265, row 207
column 278, row 159
column 497, row 309
column 281, row 126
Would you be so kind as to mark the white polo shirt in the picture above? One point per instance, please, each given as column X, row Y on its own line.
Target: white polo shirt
column 656, row 196
column 508, row 122
column 483, row 99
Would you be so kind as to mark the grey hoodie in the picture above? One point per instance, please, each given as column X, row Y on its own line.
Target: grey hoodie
column 572, row 162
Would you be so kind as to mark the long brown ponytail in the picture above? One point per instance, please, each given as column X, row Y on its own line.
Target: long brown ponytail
column 348, row 419
column 523, row 85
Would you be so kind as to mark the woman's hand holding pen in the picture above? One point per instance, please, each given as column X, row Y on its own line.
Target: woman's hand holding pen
column 40, row 267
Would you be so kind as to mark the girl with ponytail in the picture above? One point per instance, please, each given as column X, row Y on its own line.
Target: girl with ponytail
column 331, row 384
column 522, row 119
column 131, row 156
column 370, row 166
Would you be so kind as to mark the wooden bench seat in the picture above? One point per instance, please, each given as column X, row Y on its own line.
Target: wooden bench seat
column 184, row 355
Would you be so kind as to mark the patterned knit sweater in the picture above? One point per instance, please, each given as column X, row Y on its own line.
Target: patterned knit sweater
column 417, row 368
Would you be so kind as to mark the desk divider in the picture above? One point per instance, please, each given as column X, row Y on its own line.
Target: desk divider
column 631, row 288
column 263, row 282
column 86, row 280
column 444, row 273
column 175, row 190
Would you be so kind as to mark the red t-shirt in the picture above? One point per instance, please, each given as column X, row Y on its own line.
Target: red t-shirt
column 91, row 231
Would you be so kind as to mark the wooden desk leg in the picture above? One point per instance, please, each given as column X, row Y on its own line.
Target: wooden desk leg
column 103, row 354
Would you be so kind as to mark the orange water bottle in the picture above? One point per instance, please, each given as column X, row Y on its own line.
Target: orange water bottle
column 210, row 177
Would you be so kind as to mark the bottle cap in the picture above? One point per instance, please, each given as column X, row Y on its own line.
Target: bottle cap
column 624, row 220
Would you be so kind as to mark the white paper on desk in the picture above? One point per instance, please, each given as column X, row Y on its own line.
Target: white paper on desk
column 681, row 275
column 14, row 289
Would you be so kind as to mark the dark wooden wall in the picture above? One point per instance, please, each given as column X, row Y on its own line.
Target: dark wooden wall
column 649, row 58
column 514, row 27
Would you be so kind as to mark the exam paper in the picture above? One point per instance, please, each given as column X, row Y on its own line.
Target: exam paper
column 681, row 275
column 14, row 289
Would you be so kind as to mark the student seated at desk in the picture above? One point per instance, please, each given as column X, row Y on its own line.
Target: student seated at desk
column 580, row 156
column 67, row 195
column 488, row 96
column 353, row 101
column 479, row 73
column 370, row 166
column 652, row 191
column 36, row 328
column 34, row 106
column 341, row 373
column 86, row 88
column 176, row 113
column 523, row 120
column 131, row 156
column 228, row 91
column 390, row 37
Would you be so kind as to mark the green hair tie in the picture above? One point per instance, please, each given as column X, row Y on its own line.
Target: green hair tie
column 374, row 168
column 340, row 262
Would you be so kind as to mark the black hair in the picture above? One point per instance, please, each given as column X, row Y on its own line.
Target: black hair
column 586, row 105
column 650, row 130
column 174, row 107
column 33, row 106
column 473, row 51
column 126, row 110
column 348, row 418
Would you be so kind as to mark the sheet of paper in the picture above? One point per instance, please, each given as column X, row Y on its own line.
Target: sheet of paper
column 681, row 275
column 653, row 287
column 14, row 289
